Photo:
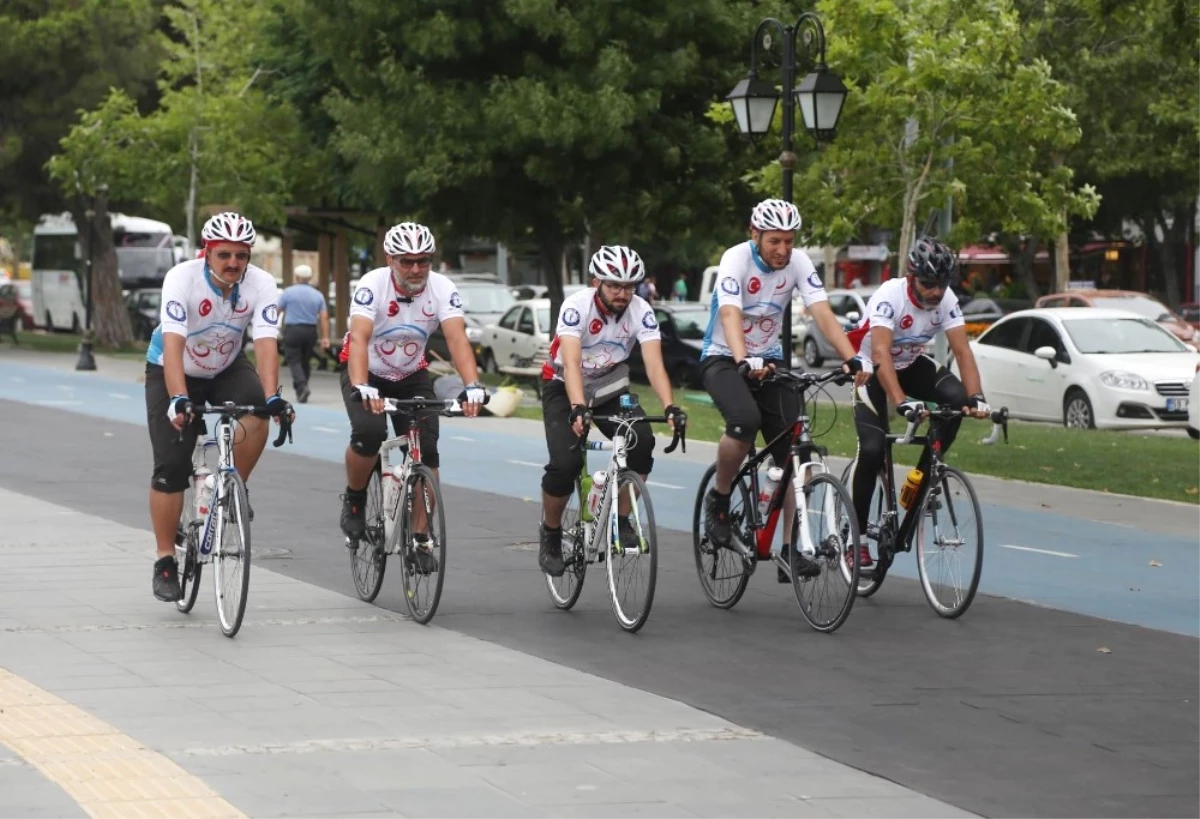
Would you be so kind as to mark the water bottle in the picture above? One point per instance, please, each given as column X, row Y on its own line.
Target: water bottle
column 597, row 493
column 766, row 488
column 908, row 492
column 202, row 486
column 585, row 491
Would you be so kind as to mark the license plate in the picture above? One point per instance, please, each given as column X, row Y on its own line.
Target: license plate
column 1177, row 404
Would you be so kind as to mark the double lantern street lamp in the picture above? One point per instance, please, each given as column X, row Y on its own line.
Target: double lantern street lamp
column 820, row 96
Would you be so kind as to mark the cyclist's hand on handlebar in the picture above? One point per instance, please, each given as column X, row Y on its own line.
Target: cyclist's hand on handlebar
column 279, row 409
column 753, row 367
column 370, row 397
column 472, row 399
column 977, row 407
column 910, row 410
column 676, row 418
column 179, row 411
column 580, row 418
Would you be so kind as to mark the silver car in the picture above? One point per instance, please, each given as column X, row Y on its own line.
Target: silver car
column 849, row 306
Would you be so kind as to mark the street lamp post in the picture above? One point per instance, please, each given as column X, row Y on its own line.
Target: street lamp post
column 87, row 361
column 820, row 95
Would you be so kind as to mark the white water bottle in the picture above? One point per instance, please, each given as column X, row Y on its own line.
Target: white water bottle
column 597, row 493
column 202, row 488
column 766, row 488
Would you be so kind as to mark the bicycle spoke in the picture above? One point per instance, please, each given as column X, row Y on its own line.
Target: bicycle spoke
column 950, row 544
column 632, row 562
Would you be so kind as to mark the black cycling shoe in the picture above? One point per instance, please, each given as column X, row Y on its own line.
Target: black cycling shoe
column 550, row 557
column 422, row 555
column 628, row 536
column 716, row 519
column 166, row 580
column 354, row 514
column 806, row 567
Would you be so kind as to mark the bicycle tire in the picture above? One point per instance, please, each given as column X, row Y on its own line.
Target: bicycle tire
column 836, row 547
column 943, row 503
column 368, row 558
column 565, row 590
column 422, row 590
column 187, row 553
column 723, row 587
column 631, row 616
column 231, row 598
column 869, row 582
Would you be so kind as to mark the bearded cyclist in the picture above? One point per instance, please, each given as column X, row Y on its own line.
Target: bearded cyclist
column 754, row 286
column 195, row 356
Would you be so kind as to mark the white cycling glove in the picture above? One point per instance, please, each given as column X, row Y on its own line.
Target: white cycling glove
column 474, row 394
column 980, row 404
column 176, row 406
column 910, row 410
column 751, row 363
column 367, row 392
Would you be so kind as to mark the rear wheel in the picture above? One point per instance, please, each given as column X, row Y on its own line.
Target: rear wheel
column 632, row 552
column 422, row 549
column 368, row 557
column 868, row 580
column 565, row 590
column 722, row 572
column 829, row 539
column 950, row 544
column 231, row 554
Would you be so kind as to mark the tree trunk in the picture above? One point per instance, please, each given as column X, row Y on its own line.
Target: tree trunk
column 1170, row 251
column 1021, row 254
column 551, row 251
column 110, row 320
column 1062, row 261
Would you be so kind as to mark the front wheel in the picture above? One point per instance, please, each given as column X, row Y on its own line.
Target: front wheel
column 950, row 544
column 368, row 556
column 565, row 590
column 631, row 552
column 869, row 580
column 231, row 553
column 421, row 544
column 187, row 554
column 722, row 572
column 826, row 539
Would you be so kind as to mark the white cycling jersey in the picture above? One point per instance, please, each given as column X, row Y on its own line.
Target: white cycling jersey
column 402, row 325
column 762, row 294
column 213, row 325
column 912, row 325
column 607, row 340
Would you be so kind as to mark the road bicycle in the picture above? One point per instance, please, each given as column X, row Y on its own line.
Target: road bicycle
column 613, row 525
column 941, row 516
column 819, row 559
column 214, row 526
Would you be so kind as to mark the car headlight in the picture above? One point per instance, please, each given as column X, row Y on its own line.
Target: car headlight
column 474, row 334
column 1123, row 380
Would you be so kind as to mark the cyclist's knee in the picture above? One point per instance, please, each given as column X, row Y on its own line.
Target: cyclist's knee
column 640, row 458
column 743, row 426
column 558, row 480
column 366, row 442
column 170, row 478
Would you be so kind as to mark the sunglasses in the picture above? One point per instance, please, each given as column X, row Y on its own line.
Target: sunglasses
column 226, row 255
column 407, row 264
column 620, row 288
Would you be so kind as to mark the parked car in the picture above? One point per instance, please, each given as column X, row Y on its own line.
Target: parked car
column 25, row 299
column 437, row 346
column 485, row 300
column 144, row 306
column 682, row 325
column 849, row 305
column 12, row 314
column 1189, row 311
column 1140, row 303
column 521, row 335
column 1193, row 421
column 1086, row 368
column 983, row 311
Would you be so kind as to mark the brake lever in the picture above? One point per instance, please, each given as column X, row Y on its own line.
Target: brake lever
column 285, row 431
column 999, row 423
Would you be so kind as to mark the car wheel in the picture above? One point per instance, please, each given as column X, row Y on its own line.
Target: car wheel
column 1194, row 434
column 812, row 356
column 488, row 362
column 1077, row 411
column 49, row 322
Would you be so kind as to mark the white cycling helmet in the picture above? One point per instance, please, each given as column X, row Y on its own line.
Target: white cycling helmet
column 775, row 214
column 229, row 227
column 408, row 238
column 616, row 263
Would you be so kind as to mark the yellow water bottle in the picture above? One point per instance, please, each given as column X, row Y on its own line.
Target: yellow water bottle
column 909, row 491
column 585, row 490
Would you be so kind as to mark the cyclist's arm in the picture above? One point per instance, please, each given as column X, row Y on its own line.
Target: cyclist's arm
column 323, row 327
column 570, row 350
column 831, row 328
column 656, row 371
column 885, row 369
column 731, row 322
column 455, row 331
column 173, row 344
column 361, row 329
column 960, row 346
column 266, row 354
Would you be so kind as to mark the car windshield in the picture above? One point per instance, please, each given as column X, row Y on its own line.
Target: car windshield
column 1141, row 305
column 144, row 262
column 485, row 298
column 690, row 323
column 1107, row 336
column 543, row 314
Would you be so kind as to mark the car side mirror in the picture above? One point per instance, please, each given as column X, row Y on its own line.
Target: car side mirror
column 1047, row 353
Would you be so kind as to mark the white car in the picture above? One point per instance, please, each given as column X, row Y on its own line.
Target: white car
column 1194, row 406
column 1087, row 367
column 520, row 338
column 849, row 305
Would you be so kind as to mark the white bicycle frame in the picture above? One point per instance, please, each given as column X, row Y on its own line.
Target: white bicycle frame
column 802, row 473
column 222, row 438
column 609, row 506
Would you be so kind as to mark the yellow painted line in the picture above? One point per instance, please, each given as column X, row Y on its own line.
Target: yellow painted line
column 109, row 774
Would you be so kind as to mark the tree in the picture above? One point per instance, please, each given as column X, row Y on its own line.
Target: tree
column 533, row 120
column 942, row 106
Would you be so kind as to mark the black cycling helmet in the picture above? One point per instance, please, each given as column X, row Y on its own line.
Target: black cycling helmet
column 931, row 262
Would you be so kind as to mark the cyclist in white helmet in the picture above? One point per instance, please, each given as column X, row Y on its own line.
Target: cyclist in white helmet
column 195, row 356
column 586, row 372
column 392, row 314
column 754, row 286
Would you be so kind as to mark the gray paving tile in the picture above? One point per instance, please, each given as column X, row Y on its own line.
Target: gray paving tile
column 25, row 792
column 465, row 802
column 894, row 806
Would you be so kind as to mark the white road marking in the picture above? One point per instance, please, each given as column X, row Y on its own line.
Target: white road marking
column 663, row 485
column 461, row 438
column 526, row 463
column 17, row 378
column 117, row 395
column 1038, row 551
column 55, row 402
column 326, row 429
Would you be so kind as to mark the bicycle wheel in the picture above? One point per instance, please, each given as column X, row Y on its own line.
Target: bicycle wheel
column 631, row 553
column 868, row 581
column 422, row 566
column 187, row 551
column 368, row 558
column 826, row 599
column 231, row 553
column 564, row 591
column 723, row 574
column 950, row 544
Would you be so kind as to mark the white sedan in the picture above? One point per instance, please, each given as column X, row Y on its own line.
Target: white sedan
column 1086, row 367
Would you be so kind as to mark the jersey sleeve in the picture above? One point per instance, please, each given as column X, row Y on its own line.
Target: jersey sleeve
column 954, row 313
column 266, row 310
column 808, row 282
column 729, row 283
column 450, row 304
column 570, row 318
column 173, row 315
column 368, row 296
column 647, row 329
column 881, row 311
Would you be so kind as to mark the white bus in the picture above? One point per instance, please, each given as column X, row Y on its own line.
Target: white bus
column 146, row 250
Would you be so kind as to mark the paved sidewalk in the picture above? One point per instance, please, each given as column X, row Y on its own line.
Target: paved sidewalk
column 112, row 704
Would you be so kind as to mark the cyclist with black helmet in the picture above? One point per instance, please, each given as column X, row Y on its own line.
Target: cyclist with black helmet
column 903, row 316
